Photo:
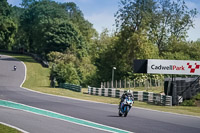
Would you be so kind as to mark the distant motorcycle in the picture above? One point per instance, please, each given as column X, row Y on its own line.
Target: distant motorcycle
column 15, row 68
column 125, row 106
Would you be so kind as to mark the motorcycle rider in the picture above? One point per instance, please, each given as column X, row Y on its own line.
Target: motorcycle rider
column 15, row 68
column 128, row 93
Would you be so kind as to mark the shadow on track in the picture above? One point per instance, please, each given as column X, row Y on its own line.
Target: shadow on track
column 113, row 116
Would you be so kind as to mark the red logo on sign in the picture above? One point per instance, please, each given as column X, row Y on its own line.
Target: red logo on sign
column 193, row 69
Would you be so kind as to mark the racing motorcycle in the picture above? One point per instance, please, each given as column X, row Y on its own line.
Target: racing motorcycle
column 15, row 68
column 125, row 106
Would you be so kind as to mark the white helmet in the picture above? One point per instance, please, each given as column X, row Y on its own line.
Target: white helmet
column 129, row 92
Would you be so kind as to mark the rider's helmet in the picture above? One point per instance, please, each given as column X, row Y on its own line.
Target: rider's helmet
column 129, row 92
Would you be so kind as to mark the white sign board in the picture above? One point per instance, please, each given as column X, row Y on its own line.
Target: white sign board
column 173, row 67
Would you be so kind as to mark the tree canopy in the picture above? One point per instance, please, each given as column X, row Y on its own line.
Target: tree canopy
column 59, row 33
column 7, row 26
column 162, row 20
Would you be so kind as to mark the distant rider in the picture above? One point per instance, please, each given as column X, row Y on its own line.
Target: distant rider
column 15, row 68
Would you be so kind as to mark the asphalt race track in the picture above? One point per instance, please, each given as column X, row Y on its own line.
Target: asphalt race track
column 138, row 120
column 40, row 124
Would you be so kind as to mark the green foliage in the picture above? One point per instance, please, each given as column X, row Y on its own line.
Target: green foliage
column 123, row 52
column 146, row 29
column 197, row 97
column 45, row 26
column 7, row 129
column 100, row 44
column 65, row 73
column 8, row 27
column 27, row 3
column 16, row 13
column 141, row 77
column 60, row 36
column 50, row 26
column 87, row 71
column 106, row 59
column 181, row 50
column 162, row 20
column 39, row 18
column 192, row 102
column 82, row 69
column 139, row 47
column 5, row 9
column 76, row 17
column 188, row 103
column 176, row 56
column 7, row 32
column 56, row 57
column 193, row 50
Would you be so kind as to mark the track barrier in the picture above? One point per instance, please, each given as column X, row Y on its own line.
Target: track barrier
column 70, row 87
column 150, row 97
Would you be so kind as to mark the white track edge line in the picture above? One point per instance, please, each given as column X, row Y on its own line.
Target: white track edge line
column 19, row 129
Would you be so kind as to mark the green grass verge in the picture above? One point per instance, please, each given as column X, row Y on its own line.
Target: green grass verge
column 7, row 129
column 38, row 79
column 150, row 89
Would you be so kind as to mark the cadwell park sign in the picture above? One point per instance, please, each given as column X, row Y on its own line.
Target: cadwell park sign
column 157, row 66
column 178, row 88
column 173, row 67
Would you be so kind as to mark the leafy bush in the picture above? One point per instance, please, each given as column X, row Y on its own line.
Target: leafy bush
column 67, row 67
column 188, row 103
column 197, row 97
column 65, row 73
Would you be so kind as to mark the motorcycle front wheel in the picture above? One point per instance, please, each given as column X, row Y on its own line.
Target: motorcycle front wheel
column 120, row 114
column 126, row 112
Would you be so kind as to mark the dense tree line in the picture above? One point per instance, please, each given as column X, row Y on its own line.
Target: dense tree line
column 148, row 29
column 59, row 33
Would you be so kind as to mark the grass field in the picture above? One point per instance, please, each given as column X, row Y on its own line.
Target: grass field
column 6, row 129
column 38, row 79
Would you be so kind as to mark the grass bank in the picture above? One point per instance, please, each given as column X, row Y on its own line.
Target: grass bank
column 151, row 89
column 38, row 79
column 7, row 129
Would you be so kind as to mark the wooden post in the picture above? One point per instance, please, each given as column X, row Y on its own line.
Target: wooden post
column 155, row 83
column 150, row 83
column 145, row 84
